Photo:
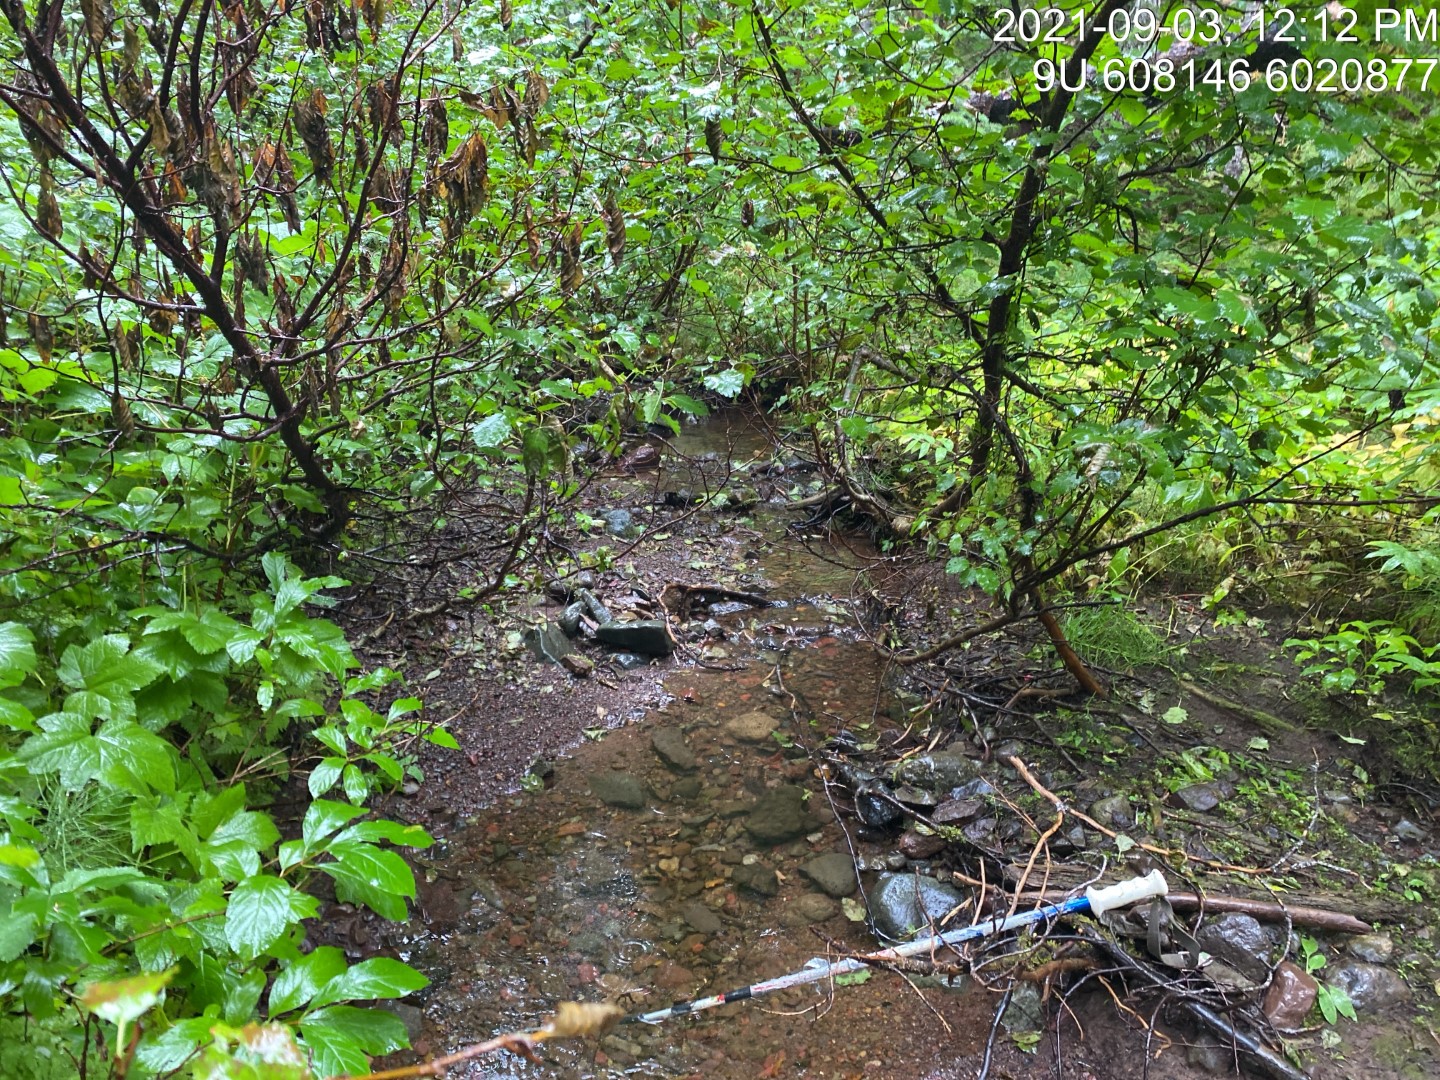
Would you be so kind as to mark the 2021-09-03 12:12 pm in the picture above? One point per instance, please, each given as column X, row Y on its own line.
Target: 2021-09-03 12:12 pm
column 1200, row 25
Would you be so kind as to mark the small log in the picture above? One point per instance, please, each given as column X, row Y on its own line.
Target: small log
column 1312, row 918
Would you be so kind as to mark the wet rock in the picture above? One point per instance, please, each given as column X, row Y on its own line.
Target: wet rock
column 901, row 904
column 569, row 619
column 577, row 665
column 833, row 874
column 713, row 629
column 1201, row 798
column 875, row 806
column 548, row 642
column 980, row 830
column 672, row 748
column 1114, row 811
column 939, row 771
column 618, row 789
column 1290, row 997
column 916, row 797
column 686, row 790
column 594, row 608
column 1406, row 829
column 628, row 661
column 972, row 789
column 650, row 637
column 752, row 727
column 1372, row 948
column 618, row 522
column 914, row 845
column 1026, row 1011
column 1211, row 1054
column 808, row 908
column 757, row 878
column 780, row 815
column 1370, row 986
column 956, row 811
column 701, row 918
column 1008, row 749
column 1240, row 941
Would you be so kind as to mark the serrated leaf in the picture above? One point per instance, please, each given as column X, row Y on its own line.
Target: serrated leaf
column 338, row 1043
column 1175, row 715
column 1123, row 843
column 261, row 909
column 17, row 654
column 104, row 676
column 298, row 983
column 853, row 978
column 121, row 754
column 17, row 933
column 853, row 909
column 370, row 980
column 726, row 383
column 377, row 878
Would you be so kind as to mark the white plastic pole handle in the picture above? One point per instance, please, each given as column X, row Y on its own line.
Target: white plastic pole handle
column 1126, row 893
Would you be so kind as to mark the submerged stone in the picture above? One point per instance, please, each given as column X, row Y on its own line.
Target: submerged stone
column 833, row 874
column 618, row 789
column 779, row 815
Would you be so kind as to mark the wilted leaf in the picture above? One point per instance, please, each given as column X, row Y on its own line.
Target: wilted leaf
column 577, row 1019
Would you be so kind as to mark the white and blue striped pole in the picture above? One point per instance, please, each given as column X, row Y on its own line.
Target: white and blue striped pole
column 1095, row 901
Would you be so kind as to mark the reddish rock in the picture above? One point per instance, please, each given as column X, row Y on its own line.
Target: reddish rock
column 914, row 845
column 1290, row 997
column 671, row 976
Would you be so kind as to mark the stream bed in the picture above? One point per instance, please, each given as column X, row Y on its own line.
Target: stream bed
column 676, row 856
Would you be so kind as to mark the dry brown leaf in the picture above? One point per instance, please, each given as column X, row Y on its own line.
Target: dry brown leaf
column 714, row 139
column 507, row 14
column 581, row 1019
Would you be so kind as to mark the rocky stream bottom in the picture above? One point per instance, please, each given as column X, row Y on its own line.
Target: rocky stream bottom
column 768, row 794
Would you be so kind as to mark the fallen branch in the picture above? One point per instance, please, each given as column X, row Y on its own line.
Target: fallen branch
column 572, row 1019
column 690, row 593
column 1266, row 720
column 1311, row 918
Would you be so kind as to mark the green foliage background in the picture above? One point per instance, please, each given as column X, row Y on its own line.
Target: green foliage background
column 284, row 285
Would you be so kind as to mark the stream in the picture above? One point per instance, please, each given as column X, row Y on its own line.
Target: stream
column 674, row 856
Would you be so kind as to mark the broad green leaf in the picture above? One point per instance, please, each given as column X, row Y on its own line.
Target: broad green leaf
column 370, row 980
column 377, row 878
column 299, row 981
column 104, row 677
column 17, row 654
column 261, row 909
column 324, row 818
column 121, row 754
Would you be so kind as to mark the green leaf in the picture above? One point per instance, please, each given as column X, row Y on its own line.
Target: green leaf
column 340, row 1042
column 299, row 981
column 17, row 654
column 727, row 383
column 1175, row 715
column 324, row 818
column 122, row 1001
column 104, row 677
column 324, row 775
column 17, row 933
column 261, row 909
column 369, row 980
column 121, row 754
column 853, row 978
column 373, row 876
